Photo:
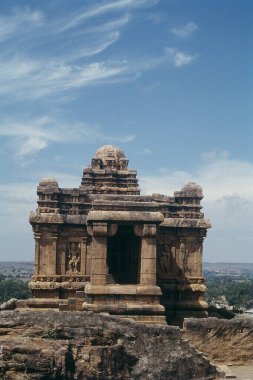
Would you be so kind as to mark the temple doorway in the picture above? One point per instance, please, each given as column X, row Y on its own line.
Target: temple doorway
column 123, row 256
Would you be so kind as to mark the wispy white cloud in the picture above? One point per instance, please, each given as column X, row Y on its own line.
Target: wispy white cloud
column 30, row 79
column 23, row 78
column 215, row 155
column 25, row 74
column 14, row 69
column 94, row 47
column 186, row 30
column 71, row 65
column 115, row 24
column 19, row 20
column 180, row 58
column 148, row 88
column 145, row 152
column 101, row 9
column 29, row 137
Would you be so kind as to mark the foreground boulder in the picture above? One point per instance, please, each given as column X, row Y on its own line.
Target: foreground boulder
column 11, row 304
column 82, row 345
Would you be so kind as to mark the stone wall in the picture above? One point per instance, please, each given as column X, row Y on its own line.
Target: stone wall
column 222, row 341
column 82, row 345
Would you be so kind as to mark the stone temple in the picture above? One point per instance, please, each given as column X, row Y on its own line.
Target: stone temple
column 106, row 248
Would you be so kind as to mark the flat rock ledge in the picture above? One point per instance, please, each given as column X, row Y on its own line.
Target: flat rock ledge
column 82, row 345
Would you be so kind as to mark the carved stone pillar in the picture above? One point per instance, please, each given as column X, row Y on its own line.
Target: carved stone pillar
column 84, row 255
column 63, row 251
column 52, row 256
column 148, row 253
column 88, row 258
column 37, row 236
column 175, row 269
column 200, row 258
column 99, row 232
column 182, row 257
column 51, row 262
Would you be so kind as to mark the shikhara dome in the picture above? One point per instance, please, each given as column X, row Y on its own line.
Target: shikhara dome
column 48, row 181
column 110, row 152
column 192, row 187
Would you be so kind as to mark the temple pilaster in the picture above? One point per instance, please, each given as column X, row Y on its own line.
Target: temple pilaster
column 147, row 232
column 84, row 255
column 99, row 232
column 37, row 236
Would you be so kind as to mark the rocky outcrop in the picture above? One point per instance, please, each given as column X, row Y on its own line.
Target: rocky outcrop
column 11, row 304
column 222, row 341
column 82, row 345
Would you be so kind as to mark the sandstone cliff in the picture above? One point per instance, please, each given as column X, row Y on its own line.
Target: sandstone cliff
column 82, row 345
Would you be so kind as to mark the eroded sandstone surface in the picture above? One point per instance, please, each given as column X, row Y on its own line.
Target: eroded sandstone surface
column 83, row 345
column 222, row 341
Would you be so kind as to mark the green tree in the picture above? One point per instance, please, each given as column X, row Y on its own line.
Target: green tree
column 238, row 293
column 14, row 289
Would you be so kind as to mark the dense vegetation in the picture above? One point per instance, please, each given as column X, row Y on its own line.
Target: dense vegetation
column 13, row 289
column 239, row 293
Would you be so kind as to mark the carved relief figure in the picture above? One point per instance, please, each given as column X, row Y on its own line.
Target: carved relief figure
column 74, row 258
column 185, row 257
column 164, row 266
column 73, row 210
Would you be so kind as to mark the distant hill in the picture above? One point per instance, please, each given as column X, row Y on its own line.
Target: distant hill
column 225, row 264
column 243, row 270
column 15, row 263
column 16, row 270
column 228, row 266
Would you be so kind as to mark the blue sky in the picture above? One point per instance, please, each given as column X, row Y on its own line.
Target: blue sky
column 170, row 82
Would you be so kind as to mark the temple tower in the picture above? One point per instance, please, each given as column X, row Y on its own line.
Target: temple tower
column 106, row 248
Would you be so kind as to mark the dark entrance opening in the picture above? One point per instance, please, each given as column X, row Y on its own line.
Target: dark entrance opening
column 123, row 256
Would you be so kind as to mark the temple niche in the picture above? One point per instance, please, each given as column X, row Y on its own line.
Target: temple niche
column 104, row 247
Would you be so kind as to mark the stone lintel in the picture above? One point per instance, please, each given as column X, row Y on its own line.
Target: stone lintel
column 186, row 223
column 74, row 219
column 125, row 216
column 102, row 229
column 108, row 204
column 119, row 198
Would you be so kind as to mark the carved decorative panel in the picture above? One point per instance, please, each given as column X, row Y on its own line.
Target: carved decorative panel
column 73, row 257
